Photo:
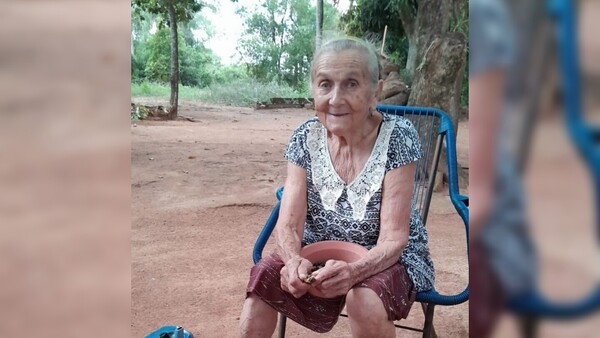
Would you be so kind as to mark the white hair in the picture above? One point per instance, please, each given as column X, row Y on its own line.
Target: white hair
column 349, row 43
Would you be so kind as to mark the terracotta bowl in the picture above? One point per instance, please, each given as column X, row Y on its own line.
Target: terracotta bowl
column 321, row 252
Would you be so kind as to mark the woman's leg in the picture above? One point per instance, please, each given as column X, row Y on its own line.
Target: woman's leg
column 368, row 317
column 258, row 319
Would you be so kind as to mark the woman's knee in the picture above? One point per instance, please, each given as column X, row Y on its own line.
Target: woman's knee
column 363, row 304
column 368, row 317
column 258, row 319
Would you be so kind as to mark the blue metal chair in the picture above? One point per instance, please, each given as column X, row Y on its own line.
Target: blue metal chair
column 434, row 128
column 532, row 306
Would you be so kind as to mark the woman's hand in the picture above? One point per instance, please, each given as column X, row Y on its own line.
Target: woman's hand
column 336, row 278
column 293, row 273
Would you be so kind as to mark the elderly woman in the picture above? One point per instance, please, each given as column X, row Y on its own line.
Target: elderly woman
column 349, row 178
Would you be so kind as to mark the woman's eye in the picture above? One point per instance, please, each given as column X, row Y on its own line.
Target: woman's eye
column 324, row 84
column 352, row 84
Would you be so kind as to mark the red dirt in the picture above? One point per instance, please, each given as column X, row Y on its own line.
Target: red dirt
column 200, row 195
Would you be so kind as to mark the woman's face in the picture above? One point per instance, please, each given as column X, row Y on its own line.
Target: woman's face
column 343, row 91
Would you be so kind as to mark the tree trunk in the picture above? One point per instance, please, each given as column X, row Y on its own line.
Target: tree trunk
column 438, row 82
column 319, row 35
column 411, row 60
column 408, row 20
column 432, row 18
column 174, row 79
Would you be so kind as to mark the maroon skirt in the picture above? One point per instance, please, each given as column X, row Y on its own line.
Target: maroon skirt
column 393, row 286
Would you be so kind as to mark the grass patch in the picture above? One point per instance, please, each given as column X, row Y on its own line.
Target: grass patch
column 149, row 89
column 242, row 92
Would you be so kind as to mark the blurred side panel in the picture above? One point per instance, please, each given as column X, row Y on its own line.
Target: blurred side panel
column 64, row 168
column 544, row 240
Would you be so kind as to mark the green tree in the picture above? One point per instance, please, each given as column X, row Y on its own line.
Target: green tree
column 197, row 31
column 369, row 18
column 279, row 39
column 196, row 63
column 171, row 13
column 141, row 24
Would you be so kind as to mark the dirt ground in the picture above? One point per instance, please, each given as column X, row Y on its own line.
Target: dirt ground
column 201, row 192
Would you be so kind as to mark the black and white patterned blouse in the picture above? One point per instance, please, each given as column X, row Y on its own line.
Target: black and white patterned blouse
column 350, row 212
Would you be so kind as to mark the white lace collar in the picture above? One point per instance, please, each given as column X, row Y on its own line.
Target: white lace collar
column 329, row 184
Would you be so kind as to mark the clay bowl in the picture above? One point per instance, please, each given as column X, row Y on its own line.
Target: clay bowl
column 321, row 252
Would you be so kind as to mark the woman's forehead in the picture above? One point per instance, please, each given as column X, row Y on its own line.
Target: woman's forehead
column 346, row 61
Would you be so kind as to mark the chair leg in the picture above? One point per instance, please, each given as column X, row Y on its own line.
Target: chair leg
column 281, row 326
column 428, row 330
column 528, row 326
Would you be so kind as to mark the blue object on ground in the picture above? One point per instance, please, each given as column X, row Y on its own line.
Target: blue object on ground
column 170, row 331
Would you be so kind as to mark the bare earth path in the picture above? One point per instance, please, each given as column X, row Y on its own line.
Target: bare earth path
column 200, row 195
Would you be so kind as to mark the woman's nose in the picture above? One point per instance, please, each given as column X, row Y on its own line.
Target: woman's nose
column 336, row 96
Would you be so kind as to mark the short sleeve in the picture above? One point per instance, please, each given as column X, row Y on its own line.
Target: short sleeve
column 405, row 146
column 296, row 151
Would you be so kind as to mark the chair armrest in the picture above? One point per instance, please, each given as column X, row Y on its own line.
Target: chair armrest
column 433, row 297
column 265, row 233
column 533, row 303
column 464, row 199
column 267, row 229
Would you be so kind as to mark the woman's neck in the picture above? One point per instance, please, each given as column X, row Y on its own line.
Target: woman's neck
column 356, row 138
column 350, row 155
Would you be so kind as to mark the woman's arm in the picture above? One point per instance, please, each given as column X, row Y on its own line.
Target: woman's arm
column 292, row 214
column 395, row 223
column 289, row 231
column 337, row 277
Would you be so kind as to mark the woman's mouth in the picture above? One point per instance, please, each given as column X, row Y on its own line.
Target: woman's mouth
column 338, row 114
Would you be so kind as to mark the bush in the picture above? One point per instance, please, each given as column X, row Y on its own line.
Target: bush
column 139, row 112
column 150, row 89
column 244, row 92
column 229, row 73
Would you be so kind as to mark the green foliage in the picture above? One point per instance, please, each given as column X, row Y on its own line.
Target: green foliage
column 157, row 64
column 369, row 18
column 151, row 89
column 228, row 73
column 138, row 67
column 139, row 112
column 184, row 9
column 397, row 50
column 243, row 92
column 196, row 63
column 141, row 24
column 199, row 23
column 279, row 40
column 459, row 22
column 150, row 58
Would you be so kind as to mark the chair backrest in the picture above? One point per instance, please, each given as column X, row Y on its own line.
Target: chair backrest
column 427, row 122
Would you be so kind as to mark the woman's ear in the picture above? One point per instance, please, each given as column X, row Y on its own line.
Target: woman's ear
column 378, row 90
